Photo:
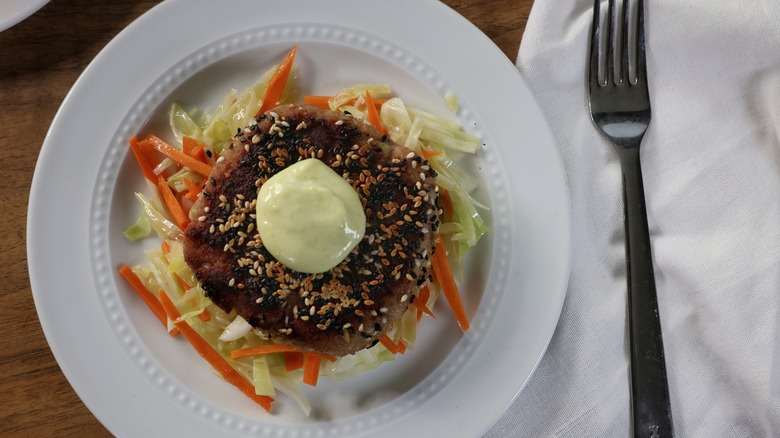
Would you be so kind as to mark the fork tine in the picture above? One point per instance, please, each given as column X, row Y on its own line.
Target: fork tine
column 641, row 64
column 595, row 46
column 624, row 43
column 610, row 43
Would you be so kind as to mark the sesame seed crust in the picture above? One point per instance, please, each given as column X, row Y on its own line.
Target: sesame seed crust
column 336, row 312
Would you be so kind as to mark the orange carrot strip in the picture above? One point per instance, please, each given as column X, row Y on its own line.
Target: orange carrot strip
column 373, row 115
column 446, row 201
column 199, row 153
column 401, row 347
column 421, row 303
column 165, row 247
column 177, row 155
column 273, row 92
column 185, row 287
column 441, row 269
column 261, row 349
column 428, row 154
column 193, row 190
column 147, row 296
column 205, row 316
column 172, row 203
column 293, row 360
column 188, row 145
column 211, row 356
column 143, row 160
column 318, row 101
column 311, row 368
column 273, row 348
column 389, row 344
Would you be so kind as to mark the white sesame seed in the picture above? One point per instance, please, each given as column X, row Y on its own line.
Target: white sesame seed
column 202, row 219
column 404, row 298
column 220, row 159
column 339, row 123
column 274, row 115
column 410, row 155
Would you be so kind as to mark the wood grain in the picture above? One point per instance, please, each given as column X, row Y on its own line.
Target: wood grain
column 40, row 59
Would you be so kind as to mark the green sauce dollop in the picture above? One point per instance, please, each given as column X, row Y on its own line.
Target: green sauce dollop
column 309, row 217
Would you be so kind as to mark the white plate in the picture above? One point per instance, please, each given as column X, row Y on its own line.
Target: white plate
column 15, row 11
column 138, row 381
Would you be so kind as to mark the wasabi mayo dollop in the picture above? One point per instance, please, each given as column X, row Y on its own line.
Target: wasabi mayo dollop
column 309, row 217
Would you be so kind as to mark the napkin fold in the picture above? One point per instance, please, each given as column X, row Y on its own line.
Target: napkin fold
column 711, row 166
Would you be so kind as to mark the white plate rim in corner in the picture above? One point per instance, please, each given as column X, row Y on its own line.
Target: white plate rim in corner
column 79, row 317
column 13, row 12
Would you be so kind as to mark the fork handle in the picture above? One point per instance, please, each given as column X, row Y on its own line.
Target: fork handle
column 652, row 413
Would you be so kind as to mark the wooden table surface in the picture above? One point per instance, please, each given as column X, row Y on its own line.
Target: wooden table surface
column 40, row 59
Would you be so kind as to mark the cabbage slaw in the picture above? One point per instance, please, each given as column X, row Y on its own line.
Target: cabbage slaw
column 440, row 140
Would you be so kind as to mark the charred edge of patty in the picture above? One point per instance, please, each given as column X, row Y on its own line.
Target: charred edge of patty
column 351, row 306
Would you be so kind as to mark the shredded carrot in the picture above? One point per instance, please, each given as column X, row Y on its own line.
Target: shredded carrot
column 147, row 296
column 205, row 316
column 421, row 303
column 428, row 154
column 208, row 353
column 273, row 348
column 173, row 205
column 261, row 349
column 446, row 202
column 318, row 101
column 373, row 115
column 401, row 347
column 311, row 368
column 389, row 344
column 176, row 155
column 273, row 92
column 293, row 360
column 143, row 160
column 199, row 153
column 189, row 144
column 193, row 190
column 443, row 274
column 185, row 287
column 165, row 247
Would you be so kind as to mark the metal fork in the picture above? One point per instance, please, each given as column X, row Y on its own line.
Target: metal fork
column 620, row 108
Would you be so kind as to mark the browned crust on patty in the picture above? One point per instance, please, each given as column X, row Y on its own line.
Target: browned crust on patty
column 351, row 306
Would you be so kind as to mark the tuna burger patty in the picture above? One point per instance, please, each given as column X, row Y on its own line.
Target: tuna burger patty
column 354, row 304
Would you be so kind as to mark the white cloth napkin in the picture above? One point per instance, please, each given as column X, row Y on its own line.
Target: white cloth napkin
column 711, row 164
